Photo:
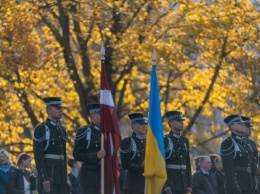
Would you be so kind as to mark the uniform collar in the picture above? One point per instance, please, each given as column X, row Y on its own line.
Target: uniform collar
column 235, row 136
column 138, row 136
column 175, row 134
column 54, row 123
column 96, row 127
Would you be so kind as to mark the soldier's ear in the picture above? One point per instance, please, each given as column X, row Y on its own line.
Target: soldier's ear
column 170, row 123
column 133, row 126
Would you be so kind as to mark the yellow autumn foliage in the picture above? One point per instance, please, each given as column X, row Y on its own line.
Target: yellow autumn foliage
column 55, row 52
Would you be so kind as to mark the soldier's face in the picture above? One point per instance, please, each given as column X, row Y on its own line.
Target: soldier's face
column 139, row 129
column 247, row 131
column 176, row 126
column 238, row 128
column 55, row 113
column 95, row 117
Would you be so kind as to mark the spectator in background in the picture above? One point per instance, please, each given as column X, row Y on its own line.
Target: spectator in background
column 73, row 176
column 220, row 175
column 22, row 180
column 204, row 181
column 196, row 162
column 5, row 168
column 212, row 159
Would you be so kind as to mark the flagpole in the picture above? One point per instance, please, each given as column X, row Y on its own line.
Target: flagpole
column 154, row 59
column 102, row 58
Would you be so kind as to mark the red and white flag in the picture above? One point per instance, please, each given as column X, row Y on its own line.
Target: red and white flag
column 110, row 128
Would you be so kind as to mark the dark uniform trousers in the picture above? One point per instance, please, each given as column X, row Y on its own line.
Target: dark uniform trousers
column 50, row 156
column 87, row 144
column 255, row 168
column 132, row 153
column 177, row 155
column 60, row 188
column 89, row 190
column 237, row 159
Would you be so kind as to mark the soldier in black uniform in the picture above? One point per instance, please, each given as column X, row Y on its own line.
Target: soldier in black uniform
column 49, row 148
column 237, row 158
column 132, row 153
column 177, row 153
column 178, row 164
column 87, row 149
column 255, row 167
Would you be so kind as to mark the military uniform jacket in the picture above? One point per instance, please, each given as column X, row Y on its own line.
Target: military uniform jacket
column 87, row 145
column 132, row 153
column 255, row 163
column 177, row 153
column 237, row 162
column 50, row 169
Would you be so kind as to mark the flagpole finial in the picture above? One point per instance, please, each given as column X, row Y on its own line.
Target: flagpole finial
column 102, row 51
column 154, row 58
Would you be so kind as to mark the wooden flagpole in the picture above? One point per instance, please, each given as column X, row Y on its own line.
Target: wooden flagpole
column 102, row 57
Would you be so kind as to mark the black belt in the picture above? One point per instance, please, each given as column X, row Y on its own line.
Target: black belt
column 176, row 167
column 245, row 169
column 54, row 156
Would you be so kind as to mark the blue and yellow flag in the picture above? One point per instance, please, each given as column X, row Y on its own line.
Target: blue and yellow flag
column 154, row 166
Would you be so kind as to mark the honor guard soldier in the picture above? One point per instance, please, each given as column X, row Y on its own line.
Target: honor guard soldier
column 87, row 149
column 132, row 153
column 177, row 154
column 255, row 168
column 237, row 158
column 49, row 148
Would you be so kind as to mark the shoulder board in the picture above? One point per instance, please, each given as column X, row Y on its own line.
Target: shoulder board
column 42, row 135
column 39, row 125
column 126, row 145
column 126, row 139
column 82, row 127
column 227, row 147
column 183, row 137
column 82, row 132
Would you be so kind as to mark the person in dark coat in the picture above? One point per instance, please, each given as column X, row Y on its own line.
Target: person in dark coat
column 237, row 158
column 87, row 149
column 255, row 169
column 132, row 153
column 177, row 153
column 203, row 180
column 220, row 174
column 49, row 148
column 75, row 166
column 22, row 180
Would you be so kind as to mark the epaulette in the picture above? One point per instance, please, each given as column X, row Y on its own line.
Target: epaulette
column 82, row 132
column 169, row 148
column 130, row 146
column 229, row 147
column 45, row 137
column 83, row 126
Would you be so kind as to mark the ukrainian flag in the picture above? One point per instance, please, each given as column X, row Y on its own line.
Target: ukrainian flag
column 154, row 165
